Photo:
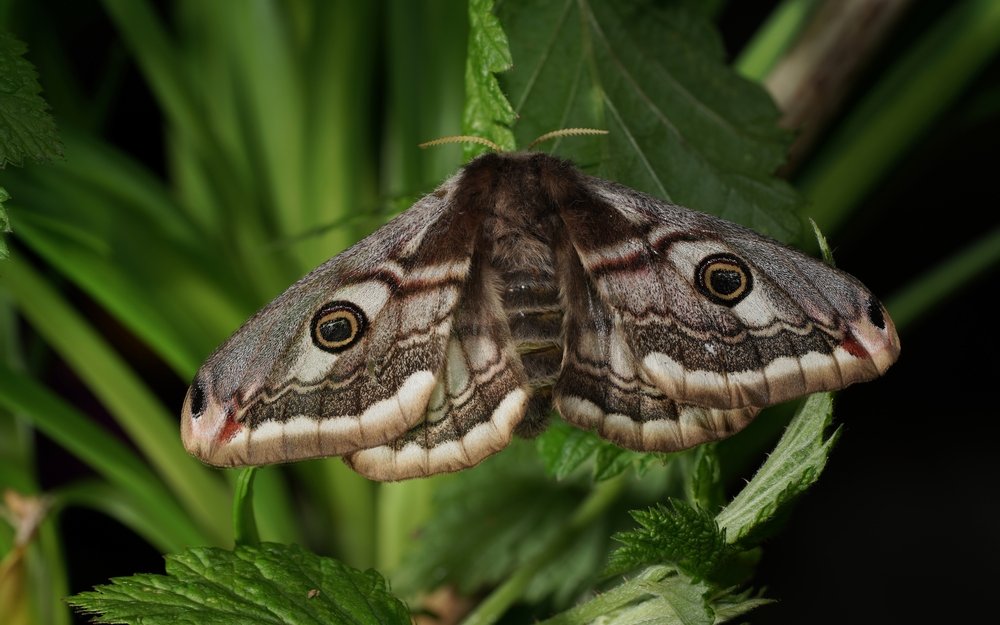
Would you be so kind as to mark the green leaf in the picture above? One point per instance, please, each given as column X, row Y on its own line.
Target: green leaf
column 683, row 125
column 564, row 448
column 660, row 595
column 792, row 467
column 611, row 461
column 493, row 519
column 488, row 113
column 729, row 606
column 267, row 583
column 676, row 534
column 26, row 128
column 704, row 487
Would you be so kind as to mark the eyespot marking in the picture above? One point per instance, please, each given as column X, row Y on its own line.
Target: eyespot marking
column 724, row 279
column 337, row 326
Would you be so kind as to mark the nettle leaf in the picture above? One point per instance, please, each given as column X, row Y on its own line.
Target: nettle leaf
column 266, row 583
column 492, row 519
column 26, row 128
column 683, row 125
column 704, row 488
column 728, row 606
column 659, row 595
column 488, row 114
column 793, row 466
column 564, row 449
column 677, row 534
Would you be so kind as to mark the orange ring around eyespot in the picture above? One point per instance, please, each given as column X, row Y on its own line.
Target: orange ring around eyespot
column 717, row 263
column 332, row 312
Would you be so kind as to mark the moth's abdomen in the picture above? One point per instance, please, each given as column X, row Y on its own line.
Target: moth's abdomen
column 535, row 316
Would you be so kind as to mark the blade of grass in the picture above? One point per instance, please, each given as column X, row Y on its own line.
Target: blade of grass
column 156, row 54
column 899, row 108
column 86, row 216
column 437, row 112
column 773, row 38
column 96, row 448
column 271, row 83
column 340, row 168
column 170, row 73
column 118, row 504
column 142, row 417
column 161, row 314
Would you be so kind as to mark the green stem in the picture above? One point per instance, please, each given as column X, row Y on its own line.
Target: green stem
column 52, row 585
column 352, row 503
column 244, row 522
column 402, row 507
column 493, row 607
column 896, row 111
column 917, row 298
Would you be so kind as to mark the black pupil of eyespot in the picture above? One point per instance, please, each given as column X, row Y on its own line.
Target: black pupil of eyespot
column 726, row 281
column 335, row 330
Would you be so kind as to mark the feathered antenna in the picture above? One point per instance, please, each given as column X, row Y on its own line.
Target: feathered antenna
column 463, row 139
column 566, row 132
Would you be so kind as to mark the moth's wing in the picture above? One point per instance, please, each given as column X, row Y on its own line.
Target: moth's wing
column 271, row 394
column 602, row 385
column 800, row 326
column 480, row 396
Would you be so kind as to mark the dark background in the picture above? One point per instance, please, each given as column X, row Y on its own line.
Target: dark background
column 900, row 527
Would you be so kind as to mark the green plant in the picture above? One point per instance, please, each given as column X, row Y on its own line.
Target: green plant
column 279, row 152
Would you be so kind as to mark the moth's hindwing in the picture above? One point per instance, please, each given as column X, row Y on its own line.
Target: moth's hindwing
column 603, row 386
column 479, row 398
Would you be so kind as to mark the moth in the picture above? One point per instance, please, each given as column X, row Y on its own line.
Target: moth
column 520, row 285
